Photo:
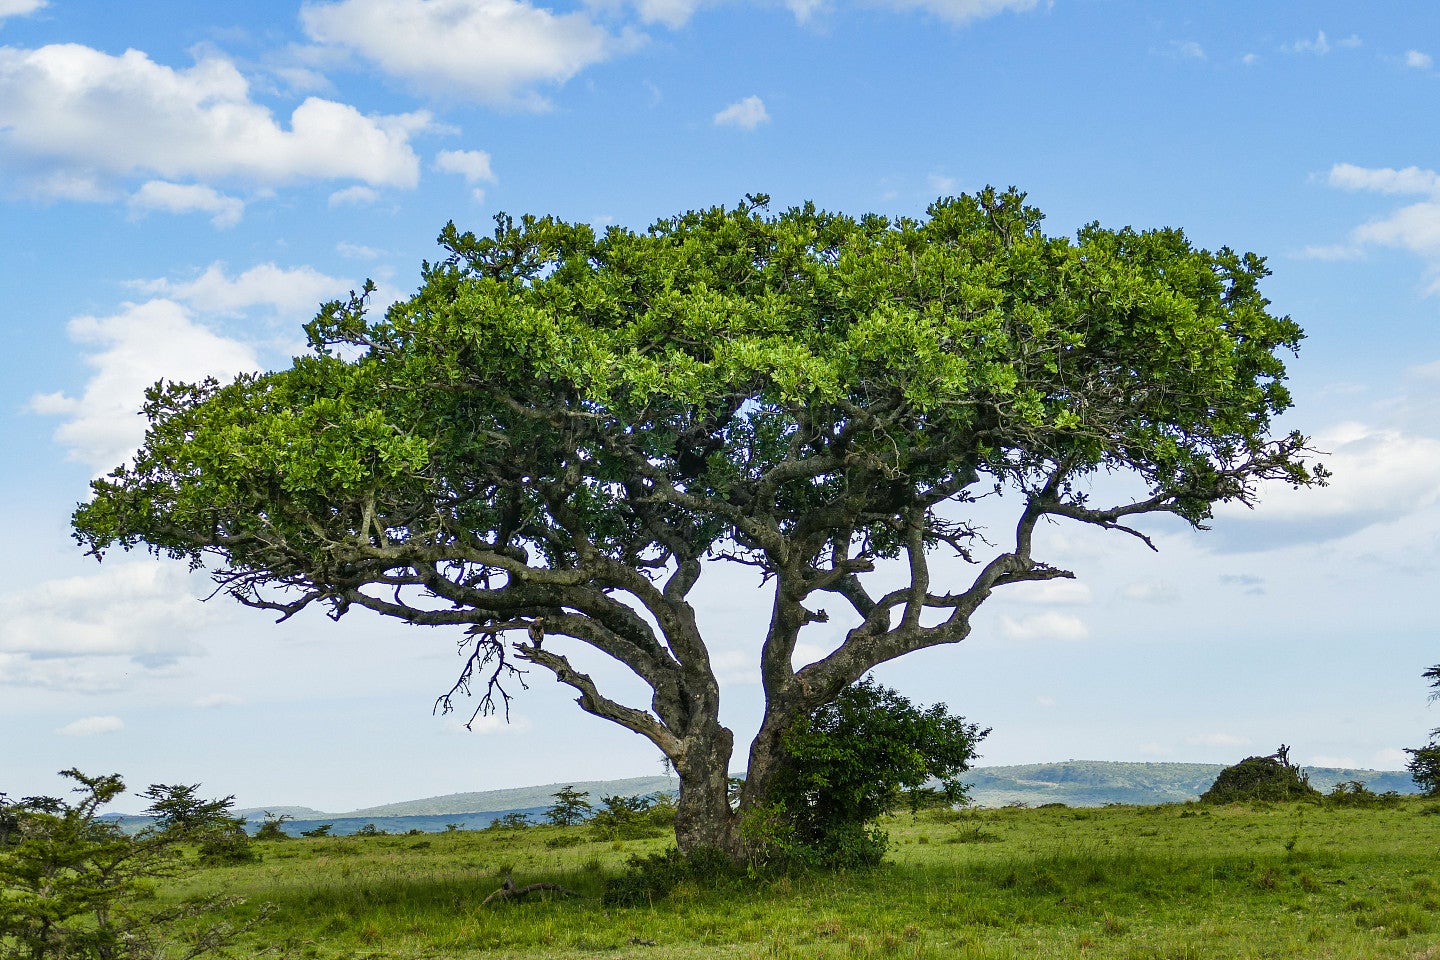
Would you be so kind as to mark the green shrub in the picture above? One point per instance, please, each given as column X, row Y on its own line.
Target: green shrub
column 852, row 761
column 1270, row 779
column 648, row 879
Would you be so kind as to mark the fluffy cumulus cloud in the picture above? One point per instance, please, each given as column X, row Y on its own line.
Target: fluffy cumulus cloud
column 1044, row 626
column 91, row 726
column 1418, row 60
column 494, row 51
column 473, row 165
column 130, row 351
column 1380, row 475
column 298, row 290
column 746, row 114
column 94, row 633
column 78, row 122
column 188, row 198
column 18, row 8
column 1414, row 227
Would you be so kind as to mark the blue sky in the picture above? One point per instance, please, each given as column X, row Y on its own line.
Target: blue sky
column 181, row 184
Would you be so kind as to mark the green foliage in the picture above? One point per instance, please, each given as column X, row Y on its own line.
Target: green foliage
column 323, row 830
column 633, row 818
column 852, row 761
column 1354, row 793
column 557, row 415
column 1271, row 779
column 652, row 878
column 182, row 814
column 571, row 806
column 1424, row 767
column 511, row 821
column 270, row 827
column 1424, row 763
column 74, row 886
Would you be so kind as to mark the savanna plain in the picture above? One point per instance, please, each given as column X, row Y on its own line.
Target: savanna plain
column 1141, row 883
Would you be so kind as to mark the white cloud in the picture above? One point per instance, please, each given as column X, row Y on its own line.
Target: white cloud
column 133, row 349
column 1414, row 228
column 1418, row 60
column 1044, row 626
column 19, row 8
column 1380, row 474
column 473, row 165
column 746, row 114
column 356, row 196
column 1348, row 176
column 1189, row 50
column 495, row 723
column 94, row 117
column 941, row 184
column 188, row 198
column 1049, row 592
column 91, row 726
column 488, row 50
column 1250, row 59
column 300, row 290
column 962, row 11
column 92, row 632
column 355, row 251
column 1319, row 46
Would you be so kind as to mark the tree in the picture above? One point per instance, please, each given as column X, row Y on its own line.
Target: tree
column 858, row 758
column 571, row 806
column 73, row 885
column 181, row 813
column 560, row 432
column 1424, row 763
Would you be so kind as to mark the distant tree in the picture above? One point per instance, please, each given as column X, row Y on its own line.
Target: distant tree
column 571, row 806
column 860, row 757
column 271, row 828
column 561, row 431
column 219, row 836
column 73, row 886
column 511, row 821
column 323, row 830
column 1424, row 763
column 1272, row 778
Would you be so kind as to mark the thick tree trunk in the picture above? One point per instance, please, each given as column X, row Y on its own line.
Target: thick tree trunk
column 703, row 817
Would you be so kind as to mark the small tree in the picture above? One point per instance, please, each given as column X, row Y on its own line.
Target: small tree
column 272, row 827
column 1272, row 778
column 180, row 813
column 860, row 757
column 1424, row 763
column 571, row 807
column 74, row 886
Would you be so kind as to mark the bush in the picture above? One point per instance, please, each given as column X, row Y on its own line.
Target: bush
column 652, row 878
column 1354, row 793
column 633, row 818
column 1271, row 779
column 852, row 761
column 270, row 827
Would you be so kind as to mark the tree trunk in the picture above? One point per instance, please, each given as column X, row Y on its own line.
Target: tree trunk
column 703, row 817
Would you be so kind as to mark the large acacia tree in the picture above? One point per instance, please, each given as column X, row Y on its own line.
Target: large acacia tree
column 560, row 432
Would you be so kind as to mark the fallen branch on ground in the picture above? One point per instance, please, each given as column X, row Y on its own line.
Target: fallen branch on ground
column 508, row 891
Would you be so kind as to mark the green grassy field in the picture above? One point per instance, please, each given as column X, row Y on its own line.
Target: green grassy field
column 1142, row 883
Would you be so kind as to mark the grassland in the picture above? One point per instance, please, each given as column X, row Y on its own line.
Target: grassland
column 1139, row 883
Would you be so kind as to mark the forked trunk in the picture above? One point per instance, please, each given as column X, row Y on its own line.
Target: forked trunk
column 703, row 816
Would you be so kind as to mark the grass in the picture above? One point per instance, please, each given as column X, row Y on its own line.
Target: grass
column 1133, row 883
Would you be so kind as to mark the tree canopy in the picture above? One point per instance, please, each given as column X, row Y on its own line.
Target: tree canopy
column 562, row 428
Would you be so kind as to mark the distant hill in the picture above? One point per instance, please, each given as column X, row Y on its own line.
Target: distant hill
column 500, row 801
column 1093, row 783
column 1075, row 783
